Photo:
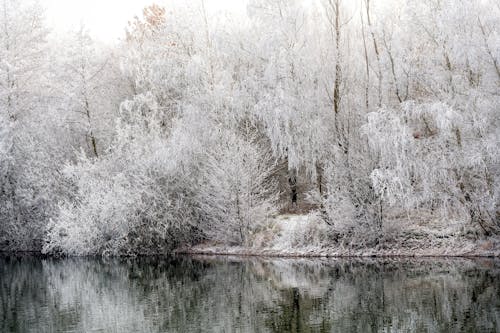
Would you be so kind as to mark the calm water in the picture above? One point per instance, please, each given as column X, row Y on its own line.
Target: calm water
column 224, row 294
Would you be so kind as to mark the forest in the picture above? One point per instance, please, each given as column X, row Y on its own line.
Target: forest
column 367, row 124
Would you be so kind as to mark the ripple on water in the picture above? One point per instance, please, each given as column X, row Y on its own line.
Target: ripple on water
column 227, row 294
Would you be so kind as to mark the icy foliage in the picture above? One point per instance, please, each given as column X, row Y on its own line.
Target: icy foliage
column 430, row 155
column 375, row 120
column 30, row 152
column 136, row 199
column 237, row 193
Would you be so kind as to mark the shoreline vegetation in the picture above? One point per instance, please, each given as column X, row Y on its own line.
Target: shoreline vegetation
column 290, row 128
column 213, row 250
column 465, row 252
column 280, row 244
column 402, row 245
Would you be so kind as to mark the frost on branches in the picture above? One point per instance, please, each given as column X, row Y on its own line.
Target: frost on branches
column 431, row 158
column 293, row 125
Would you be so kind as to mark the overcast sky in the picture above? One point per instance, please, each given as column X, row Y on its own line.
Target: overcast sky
column 107, row 19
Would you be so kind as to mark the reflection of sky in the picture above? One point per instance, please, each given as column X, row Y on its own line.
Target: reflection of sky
column 106, row 19
column 227, row 294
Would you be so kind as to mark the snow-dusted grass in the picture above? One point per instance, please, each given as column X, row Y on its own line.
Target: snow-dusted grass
column 307, row 235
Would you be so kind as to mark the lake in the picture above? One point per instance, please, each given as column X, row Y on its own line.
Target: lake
column 233, row 294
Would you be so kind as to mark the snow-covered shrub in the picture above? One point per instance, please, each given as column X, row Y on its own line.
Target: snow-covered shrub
column 135, row 199
column 309, row 231
column 237, row 191
column 30, row 183
column 350, row 205
column 440, row 157
column 28, row 161
column 6, row 206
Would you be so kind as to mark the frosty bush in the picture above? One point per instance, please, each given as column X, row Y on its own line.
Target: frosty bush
column 381, row 112
column 430, row 155
column 237, row 191
column 135, row 199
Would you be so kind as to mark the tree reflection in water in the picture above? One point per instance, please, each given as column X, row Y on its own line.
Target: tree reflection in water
column 228, row 294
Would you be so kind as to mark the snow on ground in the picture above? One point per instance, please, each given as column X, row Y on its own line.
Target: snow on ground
column 291, row 235
column 297, row 231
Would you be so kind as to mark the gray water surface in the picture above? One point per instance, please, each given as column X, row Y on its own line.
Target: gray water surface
column 227, row 294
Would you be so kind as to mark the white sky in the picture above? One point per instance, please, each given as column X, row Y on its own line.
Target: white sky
column 107, row 19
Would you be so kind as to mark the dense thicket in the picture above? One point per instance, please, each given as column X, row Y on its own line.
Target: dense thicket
column 377, row 116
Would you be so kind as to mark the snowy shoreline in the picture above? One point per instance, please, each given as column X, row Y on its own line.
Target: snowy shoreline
column 285, row 234
column 338, row 253
column 465, row 248
column 488, row 248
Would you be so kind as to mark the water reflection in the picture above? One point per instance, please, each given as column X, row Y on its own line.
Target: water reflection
column 223, row 294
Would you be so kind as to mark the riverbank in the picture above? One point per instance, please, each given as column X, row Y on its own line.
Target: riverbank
column 466, row 251
column 287, row 235
column 306, row 236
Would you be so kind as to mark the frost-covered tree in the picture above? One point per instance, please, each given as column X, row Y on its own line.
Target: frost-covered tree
column 435, row 151
column 432, row 159
column 23, row 47
column 373, row 116
column 30, row 154
column 238, row 190
column 135, row 199
column 89, row 83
